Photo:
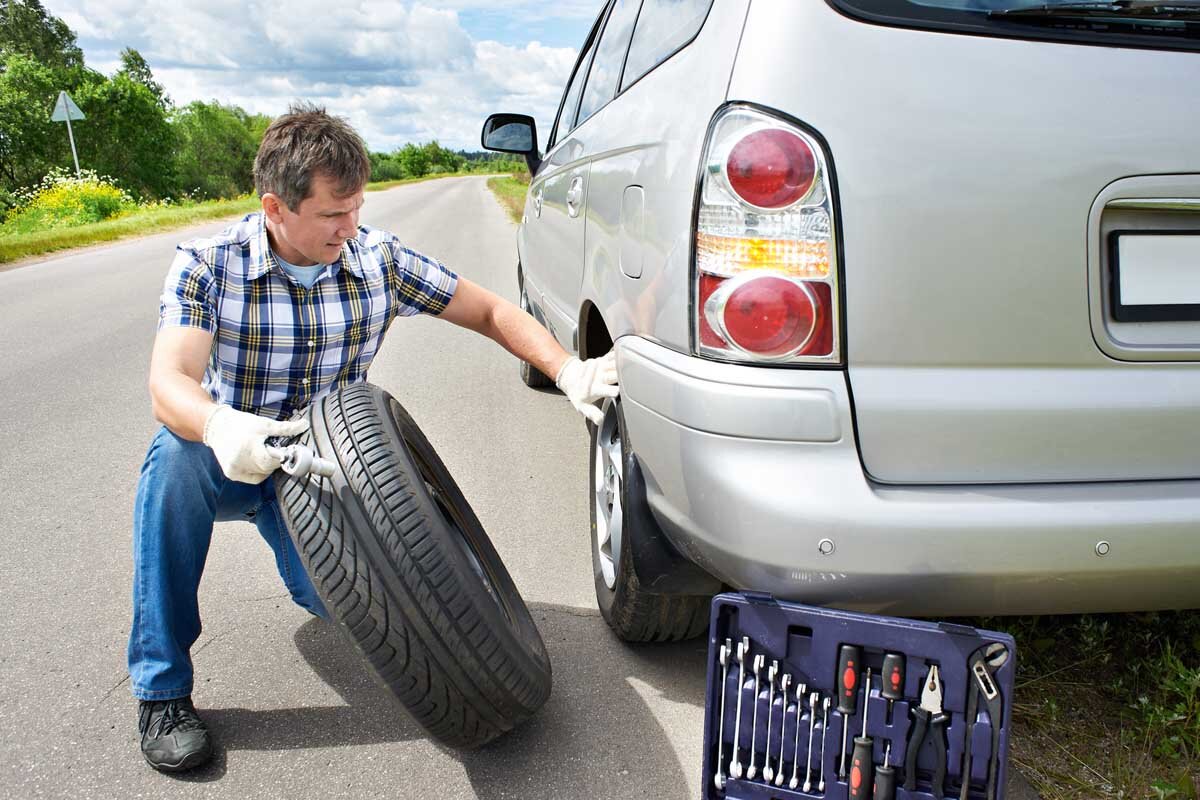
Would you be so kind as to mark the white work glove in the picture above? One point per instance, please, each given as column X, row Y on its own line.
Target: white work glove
column 239, row 441
column 585, row 382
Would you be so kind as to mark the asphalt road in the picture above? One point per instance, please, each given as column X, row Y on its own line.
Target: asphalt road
column 293, row 710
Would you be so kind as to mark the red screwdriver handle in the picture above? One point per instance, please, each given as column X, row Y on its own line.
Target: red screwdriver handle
column 893, row 676
column 849, row 664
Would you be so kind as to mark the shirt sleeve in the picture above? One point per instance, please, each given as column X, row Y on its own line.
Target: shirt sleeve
column 189, row 294
column 422, row 285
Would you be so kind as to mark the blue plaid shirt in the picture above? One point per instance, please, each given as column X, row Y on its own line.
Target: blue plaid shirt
column 278, row 346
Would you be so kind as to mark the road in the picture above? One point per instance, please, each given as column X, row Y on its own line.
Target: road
column 293, row 711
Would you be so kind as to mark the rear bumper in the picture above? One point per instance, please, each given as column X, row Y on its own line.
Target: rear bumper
column 748, row 470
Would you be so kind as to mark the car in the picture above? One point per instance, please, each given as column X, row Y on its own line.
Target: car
column 905, row 297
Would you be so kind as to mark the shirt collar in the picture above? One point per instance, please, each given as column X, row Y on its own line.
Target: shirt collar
column 262, row 260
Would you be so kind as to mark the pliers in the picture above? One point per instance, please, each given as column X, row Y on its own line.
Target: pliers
column 930, row 724
column 983, row 665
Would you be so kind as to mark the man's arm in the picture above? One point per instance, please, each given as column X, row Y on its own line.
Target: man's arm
column 176, row 368
column 482, row 311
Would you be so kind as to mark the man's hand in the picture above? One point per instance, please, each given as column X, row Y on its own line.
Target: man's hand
column 239, row 441
column 585, row 382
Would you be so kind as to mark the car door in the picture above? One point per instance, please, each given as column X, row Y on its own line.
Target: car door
column 554, row 230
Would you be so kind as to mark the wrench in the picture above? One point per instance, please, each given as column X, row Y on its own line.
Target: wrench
column 298, row 460
column 768, row 773
column 783, row 690
column 795, row 781
column 735, row 766
column 759, row 660
column 719, row 779
column 812, row 717
column 824, row 727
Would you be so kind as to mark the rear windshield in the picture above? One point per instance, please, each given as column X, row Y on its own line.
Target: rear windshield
column 1157, row 24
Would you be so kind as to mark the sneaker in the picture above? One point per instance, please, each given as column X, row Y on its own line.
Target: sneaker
column 174, row 738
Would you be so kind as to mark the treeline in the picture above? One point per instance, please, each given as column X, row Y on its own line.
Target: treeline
column 134, row 133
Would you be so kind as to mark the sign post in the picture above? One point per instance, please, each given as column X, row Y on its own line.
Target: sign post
column 65, row 110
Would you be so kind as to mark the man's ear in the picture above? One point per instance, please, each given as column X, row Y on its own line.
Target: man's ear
column 273, row 207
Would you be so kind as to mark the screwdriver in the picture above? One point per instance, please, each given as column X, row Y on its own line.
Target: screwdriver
column 849, row 658
column 892, row 686
column 885, row 778
column 862, row 763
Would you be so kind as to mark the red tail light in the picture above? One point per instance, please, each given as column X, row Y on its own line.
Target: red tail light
column 766, row 275
column 769, row 316
column 771, row 168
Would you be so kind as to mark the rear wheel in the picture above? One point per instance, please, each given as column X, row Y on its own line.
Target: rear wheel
column 403, row 565
column 633, row 613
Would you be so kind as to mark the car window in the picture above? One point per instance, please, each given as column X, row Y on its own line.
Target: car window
column 663, row 27
column 610, row 56
column 566, row 114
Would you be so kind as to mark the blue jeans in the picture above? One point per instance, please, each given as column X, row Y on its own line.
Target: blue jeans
column 182, row 491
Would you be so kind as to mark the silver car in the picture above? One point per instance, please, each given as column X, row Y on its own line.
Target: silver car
column 905, row 296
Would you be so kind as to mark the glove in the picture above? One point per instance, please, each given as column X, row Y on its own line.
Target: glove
column 585, row 382
column 239, row 439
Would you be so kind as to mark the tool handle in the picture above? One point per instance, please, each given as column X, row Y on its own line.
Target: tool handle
column 849, row 663
column 916, row 735
column 885, row 783
column 937, row 731
column 862, row 767
column 892, row 686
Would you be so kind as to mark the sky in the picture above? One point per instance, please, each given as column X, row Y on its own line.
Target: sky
column 399, row 71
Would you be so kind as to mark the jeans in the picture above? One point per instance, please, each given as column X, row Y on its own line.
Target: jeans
column 182, row 491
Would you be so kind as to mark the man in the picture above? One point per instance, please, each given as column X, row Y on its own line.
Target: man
column 255, row 323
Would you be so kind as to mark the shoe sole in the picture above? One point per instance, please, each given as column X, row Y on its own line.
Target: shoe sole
column 190, row 761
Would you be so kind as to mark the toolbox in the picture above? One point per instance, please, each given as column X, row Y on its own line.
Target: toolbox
column 933, row 688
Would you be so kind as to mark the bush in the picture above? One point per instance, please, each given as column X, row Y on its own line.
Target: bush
column 62, row 200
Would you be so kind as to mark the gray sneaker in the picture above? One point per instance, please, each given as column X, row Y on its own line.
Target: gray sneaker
column 174, row 738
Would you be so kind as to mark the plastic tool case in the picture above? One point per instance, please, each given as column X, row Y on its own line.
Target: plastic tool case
column 766, row 739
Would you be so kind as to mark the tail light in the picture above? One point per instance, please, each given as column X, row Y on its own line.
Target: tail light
column 766, row 285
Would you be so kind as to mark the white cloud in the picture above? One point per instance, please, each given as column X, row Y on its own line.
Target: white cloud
column 399, row 72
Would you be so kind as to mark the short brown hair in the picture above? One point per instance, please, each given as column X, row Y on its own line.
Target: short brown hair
column 302, row 143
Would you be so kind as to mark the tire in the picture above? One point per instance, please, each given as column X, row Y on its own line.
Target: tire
column 404, row 567
column 633, row 613
column 531, row 376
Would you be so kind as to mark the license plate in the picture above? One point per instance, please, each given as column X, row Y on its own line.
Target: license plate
column 1155, row 275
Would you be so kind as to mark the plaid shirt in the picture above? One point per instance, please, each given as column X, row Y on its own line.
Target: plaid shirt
column 278, row 346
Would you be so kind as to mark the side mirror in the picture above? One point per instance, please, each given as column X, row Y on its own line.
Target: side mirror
column 513, row 133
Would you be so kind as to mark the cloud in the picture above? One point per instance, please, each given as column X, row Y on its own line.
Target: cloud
column 398, row 72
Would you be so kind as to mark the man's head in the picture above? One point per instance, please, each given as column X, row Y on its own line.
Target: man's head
column 310, row 172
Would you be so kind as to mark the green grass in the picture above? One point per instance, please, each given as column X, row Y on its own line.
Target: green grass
column 1107, row 705
column 23, row 244
column 510, row 190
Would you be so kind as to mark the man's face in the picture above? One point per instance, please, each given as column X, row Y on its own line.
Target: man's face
column 315, row 232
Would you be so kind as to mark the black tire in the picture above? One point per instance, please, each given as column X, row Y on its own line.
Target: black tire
column 531, row 376
column 633, row 613
column 403, row 565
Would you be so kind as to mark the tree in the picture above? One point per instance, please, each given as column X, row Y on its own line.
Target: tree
column 126, row 134
column 215, row 151
column 134, row 67
column 26, row 28
column 30, row 144
column 414, row 160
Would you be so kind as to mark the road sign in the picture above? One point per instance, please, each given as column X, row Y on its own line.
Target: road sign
column 65, row 110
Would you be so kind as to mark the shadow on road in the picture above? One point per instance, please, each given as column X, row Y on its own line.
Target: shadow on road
column 597, row 735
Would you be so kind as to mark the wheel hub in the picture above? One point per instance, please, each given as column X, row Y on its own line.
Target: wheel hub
column 609, row 468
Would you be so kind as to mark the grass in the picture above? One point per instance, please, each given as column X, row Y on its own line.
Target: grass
column 510, row 190
column 1107, row 705
column 14, row 246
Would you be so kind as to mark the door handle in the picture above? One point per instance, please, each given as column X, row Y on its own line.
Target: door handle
column 537, row 203
column 574, row 195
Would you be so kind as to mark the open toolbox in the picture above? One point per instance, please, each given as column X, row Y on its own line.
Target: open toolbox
column 774, row 720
